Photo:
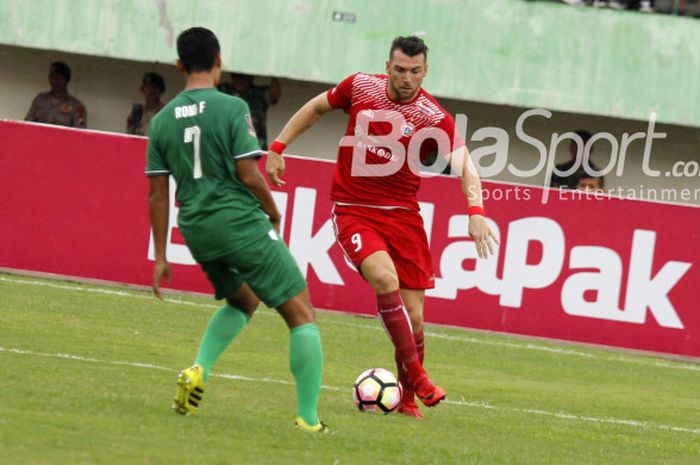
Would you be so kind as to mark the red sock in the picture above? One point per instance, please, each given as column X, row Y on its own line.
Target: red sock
column 408, row 392
column 398, row 326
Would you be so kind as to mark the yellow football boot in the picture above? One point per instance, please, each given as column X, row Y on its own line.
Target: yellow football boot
column 190, row 389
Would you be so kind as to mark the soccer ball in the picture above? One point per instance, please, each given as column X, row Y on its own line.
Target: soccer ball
column 377, row 390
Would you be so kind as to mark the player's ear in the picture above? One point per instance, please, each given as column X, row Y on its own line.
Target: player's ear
column 388, row 66
column 180, row 66
column 216, row 70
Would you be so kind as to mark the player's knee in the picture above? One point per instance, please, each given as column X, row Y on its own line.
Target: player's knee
column 297, row 311
column 304, row 316
column 385, row 281
column 247, row 305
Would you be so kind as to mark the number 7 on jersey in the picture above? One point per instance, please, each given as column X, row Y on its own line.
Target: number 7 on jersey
column 192, row 135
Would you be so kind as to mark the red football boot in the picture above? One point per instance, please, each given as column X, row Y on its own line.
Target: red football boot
column 409, row 408
column 428, row 393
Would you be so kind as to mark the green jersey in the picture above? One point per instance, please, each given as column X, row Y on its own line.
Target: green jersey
column 197, row 138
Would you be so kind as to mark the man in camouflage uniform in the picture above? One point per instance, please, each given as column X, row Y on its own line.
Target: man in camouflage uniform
column 258, row 98
column 57, row 106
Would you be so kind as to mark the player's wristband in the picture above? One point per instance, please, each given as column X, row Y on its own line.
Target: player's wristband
column 277, row 147
column 476, row 210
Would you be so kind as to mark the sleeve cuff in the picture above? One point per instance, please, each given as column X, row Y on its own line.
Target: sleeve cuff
column 252, row 154
column 150, row 173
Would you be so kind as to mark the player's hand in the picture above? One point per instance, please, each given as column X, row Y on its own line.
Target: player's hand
column 161, row 270
column 275, row 168
column 483, row 237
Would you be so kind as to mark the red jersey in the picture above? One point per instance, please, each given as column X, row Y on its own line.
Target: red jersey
column 363, row 94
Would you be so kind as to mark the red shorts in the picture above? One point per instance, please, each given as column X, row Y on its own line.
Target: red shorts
column 361, row 231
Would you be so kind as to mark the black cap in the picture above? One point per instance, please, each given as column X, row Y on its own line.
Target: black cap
column 61, row 68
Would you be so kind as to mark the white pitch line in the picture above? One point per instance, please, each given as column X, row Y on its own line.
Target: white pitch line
column 528, row 346
column 84, row 359
column 464, row 403
column 101, row 291
column 80, row 358
column 569, row 416
column 658, row 363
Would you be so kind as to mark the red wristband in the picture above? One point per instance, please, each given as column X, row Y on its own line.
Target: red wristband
column 277, row 147
column 476, row 210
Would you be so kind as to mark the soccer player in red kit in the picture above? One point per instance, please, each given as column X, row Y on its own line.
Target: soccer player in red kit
column 375, row 213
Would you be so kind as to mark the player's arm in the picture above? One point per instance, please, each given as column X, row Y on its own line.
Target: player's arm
column 252, row 178
column 462, row 165
column 158, row 207
column 302, row 120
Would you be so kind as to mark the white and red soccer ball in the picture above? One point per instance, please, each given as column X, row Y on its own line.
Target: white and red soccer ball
column 377, row 390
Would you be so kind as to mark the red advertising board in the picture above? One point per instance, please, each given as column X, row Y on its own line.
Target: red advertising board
column 596, row 270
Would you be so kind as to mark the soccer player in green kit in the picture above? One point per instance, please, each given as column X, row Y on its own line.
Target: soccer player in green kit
column 205, row 140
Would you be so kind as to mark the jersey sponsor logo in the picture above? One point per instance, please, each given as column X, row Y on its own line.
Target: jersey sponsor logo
column 251, row 128
column 384, row 153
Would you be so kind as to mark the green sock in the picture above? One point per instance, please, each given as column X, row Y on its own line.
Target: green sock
column 306, row 363
column 223, row 327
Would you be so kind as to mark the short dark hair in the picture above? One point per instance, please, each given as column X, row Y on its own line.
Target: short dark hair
column 154, row 79
column 410, row 45
column 197, row 48
column 581, row 174
column 61, row 68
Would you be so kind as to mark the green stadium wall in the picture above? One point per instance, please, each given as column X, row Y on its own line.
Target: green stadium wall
column 506, row 52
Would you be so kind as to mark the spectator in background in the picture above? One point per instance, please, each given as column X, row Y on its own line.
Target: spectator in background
column 610, row 4
column 645, row 6
column 587, row 183
column 57, row 106
column 569, row 182
column 258, row 98
column 139, row 120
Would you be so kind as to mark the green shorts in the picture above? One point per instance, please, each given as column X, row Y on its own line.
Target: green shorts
column 265, row 264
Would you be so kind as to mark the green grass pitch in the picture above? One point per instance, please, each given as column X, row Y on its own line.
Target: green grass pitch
column 87, row 374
